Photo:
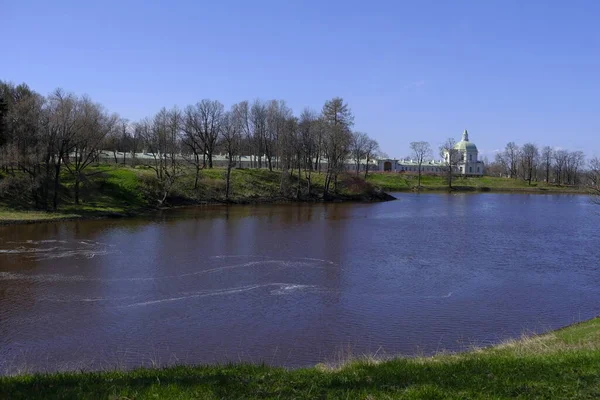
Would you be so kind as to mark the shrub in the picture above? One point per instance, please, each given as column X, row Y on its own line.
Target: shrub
column 16, row 190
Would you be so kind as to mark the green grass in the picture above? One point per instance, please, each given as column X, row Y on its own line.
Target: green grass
column 395, row 182
column 122, row 190
column 9, row 216
column 254, row 185
column 558, row 365
column 107, row 190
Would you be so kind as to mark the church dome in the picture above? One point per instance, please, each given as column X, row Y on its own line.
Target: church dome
column 464, row 144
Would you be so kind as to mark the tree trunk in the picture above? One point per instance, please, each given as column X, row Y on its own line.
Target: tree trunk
column 298, row 187
column 197, row 159
column 77, row 189
column 227, row 181
column 197, row 176
column 335, row 183
column 56, row 185
column 210, row 159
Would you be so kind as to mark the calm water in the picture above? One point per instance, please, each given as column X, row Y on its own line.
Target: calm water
column 295, row 285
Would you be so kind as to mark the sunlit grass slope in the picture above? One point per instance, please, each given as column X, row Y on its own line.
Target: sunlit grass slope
column 110, row 190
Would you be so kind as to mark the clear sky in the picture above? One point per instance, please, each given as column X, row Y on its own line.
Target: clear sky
column 522, row 70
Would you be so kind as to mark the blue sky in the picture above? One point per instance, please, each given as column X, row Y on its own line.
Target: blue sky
column 420, row 70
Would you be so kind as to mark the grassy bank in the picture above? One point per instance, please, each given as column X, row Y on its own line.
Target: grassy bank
column 123, row 191
column 108, row 191
column 561, row 364
column 394, row 182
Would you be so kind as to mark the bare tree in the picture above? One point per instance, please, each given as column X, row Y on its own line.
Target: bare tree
column 94, row 126
column 546, row 161
column 575, row 161
column 118, row 140
column 594, row 173
column 511, row 154
column 124, row 142
column 192, row 141
column 64, row 124
column 258, row 118
column 529, row 156
column 495, row 168
column 231, row 140
column 358, row 147
column 137, row 141
column 560, row 163
column 3, row 116
column 242, row 111
column 338, row 120
column 371, row 150
column 26, row 140
column 278, row 114
column 451, row 158
column 420, row 151
column 162, row 140
column 211, row 114
column 307, row 128
column 290, row 147
column 320, row 131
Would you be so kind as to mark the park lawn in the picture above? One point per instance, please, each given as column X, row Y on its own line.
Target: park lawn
column 403, row 182
column 560, row 364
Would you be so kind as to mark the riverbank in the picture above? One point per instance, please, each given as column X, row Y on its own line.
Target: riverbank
column 560, row 364
column 395, row 182
column 120, row 191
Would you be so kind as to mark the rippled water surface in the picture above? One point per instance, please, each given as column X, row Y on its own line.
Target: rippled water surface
column 295, row 285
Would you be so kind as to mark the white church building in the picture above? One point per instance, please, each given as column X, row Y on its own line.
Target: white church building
column 468, row 164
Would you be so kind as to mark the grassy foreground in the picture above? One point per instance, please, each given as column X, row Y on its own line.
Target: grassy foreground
column 395, row 182
column 564, row 364
column 113, row 190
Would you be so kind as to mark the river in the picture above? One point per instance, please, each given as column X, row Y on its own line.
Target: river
column 295, row 284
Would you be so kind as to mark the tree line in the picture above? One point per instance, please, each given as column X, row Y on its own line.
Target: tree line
column 557, row 166
column 44, row 137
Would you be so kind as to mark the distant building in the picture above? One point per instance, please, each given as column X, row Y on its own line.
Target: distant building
column 468, row 164
column 395, row 165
